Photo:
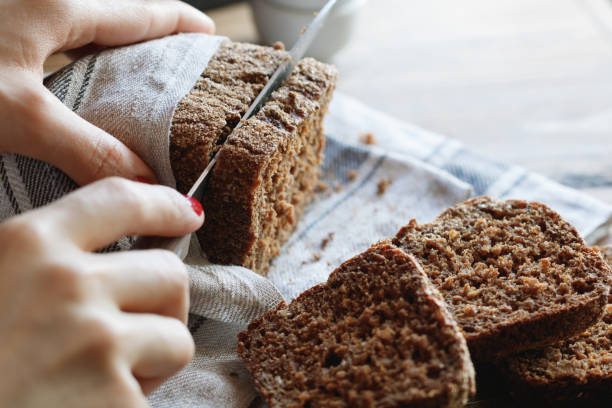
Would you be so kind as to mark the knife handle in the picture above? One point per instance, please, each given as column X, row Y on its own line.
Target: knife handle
column 178, row 245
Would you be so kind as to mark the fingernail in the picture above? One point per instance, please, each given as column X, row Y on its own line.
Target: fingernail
column 195, row 205
column 142, row 179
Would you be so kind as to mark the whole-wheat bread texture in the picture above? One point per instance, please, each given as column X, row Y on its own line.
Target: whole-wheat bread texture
column 578, row 368
column 267, row 170
column 515, row 275
column 376, row 334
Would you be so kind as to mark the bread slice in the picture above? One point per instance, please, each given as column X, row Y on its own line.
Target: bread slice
column 580, row 367
column 266, row 172
column 515, row 275
column 376, row 334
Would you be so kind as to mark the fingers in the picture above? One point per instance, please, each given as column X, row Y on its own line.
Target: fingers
column 154, row 281
column 156, row 347
column 105, row 211
column 120, row 22
column 47, row 130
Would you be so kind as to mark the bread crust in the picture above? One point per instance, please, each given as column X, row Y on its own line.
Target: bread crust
column 314, row 383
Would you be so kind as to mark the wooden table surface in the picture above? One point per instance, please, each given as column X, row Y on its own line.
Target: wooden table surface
column 523, row 81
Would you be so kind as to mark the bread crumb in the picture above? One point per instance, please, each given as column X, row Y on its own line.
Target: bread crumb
column 337, row 187
column 321, row 186
column 279, row 46
column 383, row 185
column 327, row 240
column 369, row 139
column 315, row 258
column 352, row 175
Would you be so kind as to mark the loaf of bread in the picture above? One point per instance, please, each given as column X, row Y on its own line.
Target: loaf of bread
column 515, row 275
column 376, row 334
column 580, row 367
column 267, row 170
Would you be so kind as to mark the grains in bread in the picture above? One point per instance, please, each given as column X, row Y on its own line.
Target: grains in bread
column 515, row 275
column 580, row 367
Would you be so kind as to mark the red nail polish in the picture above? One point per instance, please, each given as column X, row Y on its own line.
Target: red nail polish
column 142, row 179
column 195, row 204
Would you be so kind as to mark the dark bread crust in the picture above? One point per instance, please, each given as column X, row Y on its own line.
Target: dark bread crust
column 376, row 334
column 515, row 275
column 579, row 368
column 266, row 172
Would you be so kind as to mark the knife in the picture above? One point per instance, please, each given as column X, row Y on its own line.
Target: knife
column 180, row 245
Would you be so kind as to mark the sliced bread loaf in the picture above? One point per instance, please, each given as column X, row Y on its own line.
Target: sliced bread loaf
column 376, row 334
column 266, row 172
column 515, row 275
column 576, row 368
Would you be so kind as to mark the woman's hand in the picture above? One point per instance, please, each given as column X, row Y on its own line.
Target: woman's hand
column 80, row 329
column 35, row 123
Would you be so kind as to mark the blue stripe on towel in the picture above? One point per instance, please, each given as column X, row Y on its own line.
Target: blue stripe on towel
column 339, row 160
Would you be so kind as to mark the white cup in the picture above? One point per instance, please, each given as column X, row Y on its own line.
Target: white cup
column 283, row 20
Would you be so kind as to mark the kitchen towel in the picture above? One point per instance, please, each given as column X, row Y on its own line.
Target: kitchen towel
column 371, row 191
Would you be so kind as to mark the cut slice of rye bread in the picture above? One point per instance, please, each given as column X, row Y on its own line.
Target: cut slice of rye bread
column 376, row 334
column 515, row 275
column 266, row 171
column 580, row 367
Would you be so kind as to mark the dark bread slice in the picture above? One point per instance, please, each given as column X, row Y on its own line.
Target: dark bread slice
column 580, row 367
column 376, row 334
column 515, row 275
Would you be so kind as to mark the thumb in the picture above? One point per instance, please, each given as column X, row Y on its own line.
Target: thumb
column 47, row 130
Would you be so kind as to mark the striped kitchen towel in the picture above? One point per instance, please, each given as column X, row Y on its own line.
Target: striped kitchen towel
column 372, row 190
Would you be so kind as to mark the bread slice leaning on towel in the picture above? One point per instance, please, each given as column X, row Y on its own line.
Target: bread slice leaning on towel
column 376, row 334
column 580, row 367
column 515, row 275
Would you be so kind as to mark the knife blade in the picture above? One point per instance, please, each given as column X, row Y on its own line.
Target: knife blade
column 180, row 245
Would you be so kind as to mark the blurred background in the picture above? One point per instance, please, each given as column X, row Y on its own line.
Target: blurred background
column 524, row 81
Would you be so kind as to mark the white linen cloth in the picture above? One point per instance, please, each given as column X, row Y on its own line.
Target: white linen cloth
column 132, row 92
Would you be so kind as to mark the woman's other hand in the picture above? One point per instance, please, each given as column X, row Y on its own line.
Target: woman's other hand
column 83, row 329
column 35, row 123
